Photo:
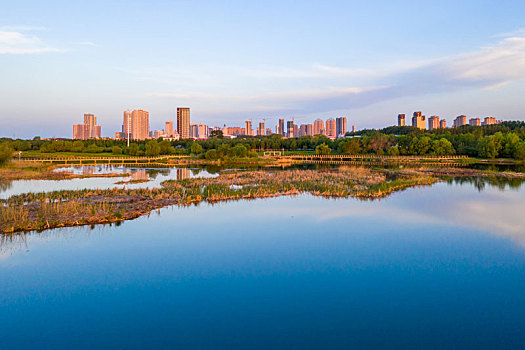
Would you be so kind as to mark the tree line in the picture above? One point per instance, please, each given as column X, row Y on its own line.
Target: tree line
column 505, row 140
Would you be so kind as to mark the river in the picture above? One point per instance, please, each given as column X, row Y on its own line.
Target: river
column 433, row 267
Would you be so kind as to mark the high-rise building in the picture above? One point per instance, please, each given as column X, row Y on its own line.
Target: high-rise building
column 194, row 130
column 318, row 127
column 202, row 130
column 302, row 130
column 460, row 121
column 475, row 122
column 340, row 126
column 88, row 130
column 354, row 128
column 296, row 130
column 90, row 120
column 139, row 124
column 489, row 121
column 443, row 124
column 418, row 120
column 183, row 122
column 400, row 120
column 309, row 130
column 433, row 122
column 260, row 129
column 169, row 128
column 248, row 128
column 280, row 127
column 290, row 129
column 126, row 124
column 331, row 128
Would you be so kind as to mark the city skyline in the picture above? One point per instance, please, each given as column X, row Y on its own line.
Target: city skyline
column 268, row 61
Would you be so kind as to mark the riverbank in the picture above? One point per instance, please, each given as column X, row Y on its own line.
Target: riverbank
column 39, row 211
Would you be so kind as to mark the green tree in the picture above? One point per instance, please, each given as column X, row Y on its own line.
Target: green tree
column 212, row 154
column 351, row 146
column 6, row 152
column 133, row 149
column 152, row 148
column 442, row 147
column 217, row 133
column 393, row 151
column 239, row 151
column 196, row 148
column 116, row 150
column 323, row 149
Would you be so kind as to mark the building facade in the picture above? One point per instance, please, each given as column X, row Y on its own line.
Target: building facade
column 330, row 129
column 460, row 121
column 433, row 122
column 319, row 127
column 183, row 122
column 340, row 126
column 474, row 122
column 139, row 124
column 169, row 128
column 418, row 120
column 290, row 128
column 443, row 124
column 400, row 120
column 88, row 130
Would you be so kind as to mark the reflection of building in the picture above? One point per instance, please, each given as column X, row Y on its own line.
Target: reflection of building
column 139, row 174
column 183, row 173
column 400, row 120
column 418, row 120
column 433, row 122
column 340, row 126
column 183, row 122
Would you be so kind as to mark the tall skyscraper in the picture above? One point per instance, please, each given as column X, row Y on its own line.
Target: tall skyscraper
column 260, row 129
column 318, row 127
column 309, row 130
column 418, row 120
column 443, row 124
column 354, row 128
column 88, row 130
column 126, row 124
column 248, row 128
column 302, row 130
column 280, row 127
column 90, row 120
column 433, row 122
column 139, row 124
column 340, row 126
column 330, row 128
column 169, row 128
column 183, row 122
column 290, row 129
column 400, row 120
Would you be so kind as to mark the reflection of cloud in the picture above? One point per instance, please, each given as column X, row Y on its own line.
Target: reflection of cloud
column 16, row 42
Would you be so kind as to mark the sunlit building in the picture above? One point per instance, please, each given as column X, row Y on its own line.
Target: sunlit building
column 489, row 121
column 88, row 130
column 290, row 128
column 331, row 128
column 418, row 120
column 139, row 124
column 400, row 120
column 443, row 124
column 260, row 129
column 183, row 122
column 169, row 128
column 474, row 122
column 433, row 122
column 248, row 128
column 460, row 121
column 340, row 126
column 319, row 127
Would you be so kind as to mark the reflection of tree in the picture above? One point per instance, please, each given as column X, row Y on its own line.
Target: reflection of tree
column 5, row 185
column 154, row 172
column 195, row 171
column 494, row 181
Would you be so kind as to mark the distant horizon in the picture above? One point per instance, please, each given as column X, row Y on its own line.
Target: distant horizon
column 240, row 61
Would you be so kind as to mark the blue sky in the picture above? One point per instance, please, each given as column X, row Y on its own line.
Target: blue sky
column 236, row 60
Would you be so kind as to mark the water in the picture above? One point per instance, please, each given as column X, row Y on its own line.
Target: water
column 432, row 267
column 152, row 176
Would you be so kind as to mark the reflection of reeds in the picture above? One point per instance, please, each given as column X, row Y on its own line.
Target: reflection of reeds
column 70, row 208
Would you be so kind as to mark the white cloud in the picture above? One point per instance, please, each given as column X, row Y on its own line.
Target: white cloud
column 16, row 42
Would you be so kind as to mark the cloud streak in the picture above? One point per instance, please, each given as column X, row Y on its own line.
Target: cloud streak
column 344, row 88
column 18, row 43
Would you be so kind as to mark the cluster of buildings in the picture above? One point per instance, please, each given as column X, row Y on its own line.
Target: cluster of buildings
column 136, row 126
column 418, row 120
column 88, row 130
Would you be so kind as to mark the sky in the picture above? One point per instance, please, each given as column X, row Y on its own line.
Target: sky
column 231, row 61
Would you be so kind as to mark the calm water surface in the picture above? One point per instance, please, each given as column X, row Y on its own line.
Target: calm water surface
column 434, row 267
column 154, row 176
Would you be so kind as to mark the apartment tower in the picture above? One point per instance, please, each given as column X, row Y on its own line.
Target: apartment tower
column 400, row 120
column 340, row 126
column 183, row 122
column 139, row 124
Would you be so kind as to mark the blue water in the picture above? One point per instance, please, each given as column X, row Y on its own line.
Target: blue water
column 434, row 267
